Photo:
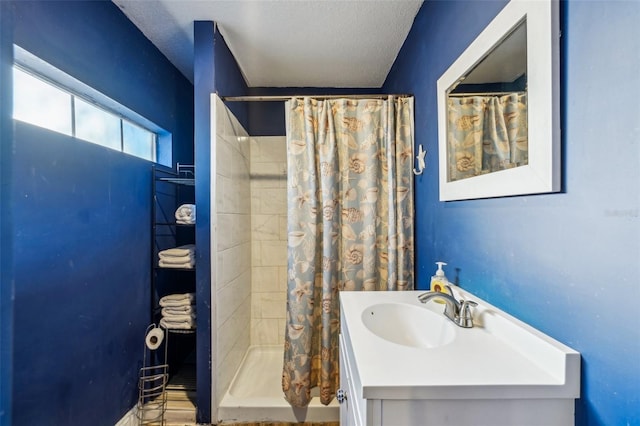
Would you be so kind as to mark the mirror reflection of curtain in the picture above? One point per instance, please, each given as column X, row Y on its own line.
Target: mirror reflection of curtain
column 486, row 134
column 350, row 224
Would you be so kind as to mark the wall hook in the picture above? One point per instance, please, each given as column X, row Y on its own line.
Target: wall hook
column 421, row 163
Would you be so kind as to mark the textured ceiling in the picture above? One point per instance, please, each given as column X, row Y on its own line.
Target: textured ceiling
column 286, row 43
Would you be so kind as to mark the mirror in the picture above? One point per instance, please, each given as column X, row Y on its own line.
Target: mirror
column 498, row 108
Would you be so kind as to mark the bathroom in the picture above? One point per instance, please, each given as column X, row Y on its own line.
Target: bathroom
column 560, row 262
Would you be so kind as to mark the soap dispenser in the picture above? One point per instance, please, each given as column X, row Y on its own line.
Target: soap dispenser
column 439, row 282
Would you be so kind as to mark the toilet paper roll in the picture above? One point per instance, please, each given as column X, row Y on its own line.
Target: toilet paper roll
column 154, row 338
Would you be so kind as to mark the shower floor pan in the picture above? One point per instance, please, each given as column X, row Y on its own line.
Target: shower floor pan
column 255, row 394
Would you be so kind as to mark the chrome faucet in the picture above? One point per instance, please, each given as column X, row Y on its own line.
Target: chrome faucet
column 457, row 311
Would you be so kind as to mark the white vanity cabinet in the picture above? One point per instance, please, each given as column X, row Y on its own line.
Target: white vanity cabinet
column 501, row 372
column 353, row 408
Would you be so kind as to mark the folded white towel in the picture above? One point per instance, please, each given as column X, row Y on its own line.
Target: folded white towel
column 186, row 221
column 183, row 265
column 184, row 299
column 185, row 250
column 180, row 318
column 177, row 325
column 178, row 310
column 186, row 212
column 190, row 258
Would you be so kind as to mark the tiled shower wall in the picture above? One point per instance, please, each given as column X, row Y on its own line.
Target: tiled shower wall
column 268, row 239
column 232, row 240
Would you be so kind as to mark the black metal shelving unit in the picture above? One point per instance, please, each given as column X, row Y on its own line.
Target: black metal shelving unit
column 170, row 189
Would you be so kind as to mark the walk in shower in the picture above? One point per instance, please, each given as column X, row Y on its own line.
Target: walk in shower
column 249, row 257
column 291, row 229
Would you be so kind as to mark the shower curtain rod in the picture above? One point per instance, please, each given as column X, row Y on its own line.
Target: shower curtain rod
column 286, row 98
column 456, row 95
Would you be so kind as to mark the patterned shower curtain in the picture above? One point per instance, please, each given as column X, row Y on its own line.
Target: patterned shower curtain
column 486, row 134
column 350, row 224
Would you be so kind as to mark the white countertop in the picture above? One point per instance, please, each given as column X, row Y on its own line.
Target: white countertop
column 501, row 357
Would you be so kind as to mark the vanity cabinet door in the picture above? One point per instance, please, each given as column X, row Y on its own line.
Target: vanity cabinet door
column 343, row 394
column 350, row 414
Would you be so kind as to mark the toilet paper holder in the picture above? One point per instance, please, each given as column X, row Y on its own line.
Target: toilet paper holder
column 154, row 337
column 153, row 378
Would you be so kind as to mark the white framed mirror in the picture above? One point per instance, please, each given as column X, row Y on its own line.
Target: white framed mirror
column 499, row 108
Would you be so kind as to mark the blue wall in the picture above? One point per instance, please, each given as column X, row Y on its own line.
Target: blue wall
column 228, row 79
column 94, row 42
column 6, row 238
column 82, row 279
column 567, row 263
column 81, row 221
column 203, row 86
column 215, row 71
column 268, row 118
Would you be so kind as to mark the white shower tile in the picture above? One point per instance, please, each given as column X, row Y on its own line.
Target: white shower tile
column 224, row 155
column 245, row 148
column 246, row 248
column 268, row 305
column 236, row 260
column 238, row 130
column 256, row 199
column 238, row 226
column 255, row 253
column 282, row 278
column 243, row 227
column 272, row 304
column 274, row 310
column 219, row 192
column 237, row 199
column 240, row 167
column 231, row 330
column 282, row 223
column 228, row 273
column 264, row 332
column 256, row 148
column 244, row 195
column 281, row 327
column 272, row 148
column 231, row 296
column 265, row 227
column 273, row 253
column 273, row 201
column 229, row 125
column 233, row 233
column 251, row 276
column 256, row 308
column 254, row 145
column 224, row 231
column 283, row 182
column 225, row 196
column 229, row 365
column 262, row 168
column 265, row 278
column 268, row 183
column 268, row 175
column 243, row 251
column 219, row 271
column 274, row 169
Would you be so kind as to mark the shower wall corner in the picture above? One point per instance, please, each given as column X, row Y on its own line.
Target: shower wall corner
column 230, row 248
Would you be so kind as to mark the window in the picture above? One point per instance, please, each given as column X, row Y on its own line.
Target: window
column 45, row 97
column 41, row 104
column 96, row 125
column 137, row 141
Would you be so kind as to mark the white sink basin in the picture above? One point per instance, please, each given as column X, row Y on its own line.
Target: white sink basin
column 408, row 325
column 404, row 349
